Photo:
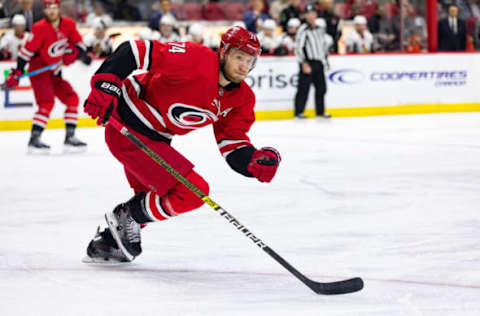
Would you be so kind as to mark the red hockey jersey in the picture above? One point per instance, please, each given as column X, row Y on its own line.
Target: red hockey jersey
column 46, row 44
column 178, row 92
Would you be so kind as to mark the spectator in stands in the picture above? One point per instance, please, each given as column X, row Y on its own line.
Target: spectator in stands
column 322, row 25
column 288, row 37
column 415, row 30
column 325, row 11
column 276, row 8
column 127, row 10
column 384, row 30
column 254, row 18
column 294, row 10
column 452, row 31
column 167, row 33
column 98, row 43
column 475, row 7
column 267, row 37
column 159, row 9
column 12, row 40
column 32, row 12
column 99, row 12
column 360, row 40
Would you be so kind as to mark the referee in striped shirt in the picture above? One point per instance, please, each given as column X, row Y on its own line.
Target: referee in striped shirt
column 311, row 49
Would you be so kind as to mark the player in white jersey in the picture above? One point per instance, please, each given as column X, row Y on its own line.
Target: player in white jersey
column 288, row 37
column 268, row 39
column 359, row 40
column 99, row 43
column 167, row 33
column 196, row 34
column 322, row 24
column 13, row 40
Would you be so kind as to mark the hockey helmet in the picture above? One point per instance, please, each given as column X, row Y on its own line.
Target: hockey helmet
column 167, row 19
column 360, row 20
column 99, row 24
column 293, row 22
column 19, row 19
column 49, row 2
column 269, row 24
column 242, row 39
column 195, row 29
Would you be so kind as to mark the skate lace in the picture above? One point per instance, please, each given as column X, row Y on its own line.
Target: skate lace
column 133, row 230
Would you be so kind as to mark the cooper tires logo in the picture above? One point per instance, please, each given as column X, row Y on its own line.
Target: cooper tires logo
column 58, row 48
column 346, row 76
column 189, row 117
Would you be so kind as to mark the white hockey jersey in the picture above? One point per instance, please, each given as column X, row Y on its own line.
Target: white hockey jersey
column 12, row 44
column 269, row 42
column 99, row 47
column 359, row 44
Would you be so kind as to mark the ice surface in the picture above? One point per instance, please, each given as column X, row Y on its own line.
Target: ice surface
column 395, row 200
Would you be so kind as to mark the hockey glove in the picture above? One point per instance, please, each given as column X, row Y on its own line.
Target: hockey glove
column 12, row 79
column 86, row 59
column 70, row 55
column 264, row 163
column 103, row 98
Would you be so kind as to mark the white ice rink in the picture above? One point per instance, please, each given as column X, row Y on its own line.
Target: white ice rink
column 395, row 200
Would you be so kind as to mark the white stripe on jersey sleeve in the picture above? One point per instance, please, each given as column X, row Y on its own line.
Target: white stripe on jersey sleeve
column 227, row 142
column 135, row 110
column 146, row 58
column 134, row 47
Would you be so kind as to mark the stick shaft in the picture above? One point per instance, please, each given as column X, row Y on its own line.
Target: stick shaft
column 38, row 71
column 221, row 211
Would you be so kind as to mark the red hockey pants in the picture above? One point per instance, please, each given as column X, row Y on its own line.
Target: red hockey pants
column 46, row 86
column 166, row 197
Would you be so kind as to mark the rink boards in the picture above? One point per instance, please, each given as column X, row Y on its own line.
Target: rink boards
column 359, row 85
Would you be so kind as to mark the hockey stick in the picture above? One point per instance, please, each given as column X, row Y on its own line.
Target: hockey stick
column 339, row 287
column 33, row 73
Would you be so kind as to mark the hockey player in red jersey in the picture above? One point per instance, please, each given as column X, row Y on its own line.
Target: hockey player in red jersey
column 179, row 87
column 54, row 39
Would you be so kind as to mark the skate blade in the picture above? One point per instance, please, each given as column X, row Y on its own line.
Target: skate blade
column 38, row 151
column 113, row 224
column 104, row 262
column 69, row 149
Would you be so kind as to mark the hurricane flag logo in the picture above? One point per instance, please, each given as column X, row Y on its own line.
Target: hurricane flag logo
column 190, row 117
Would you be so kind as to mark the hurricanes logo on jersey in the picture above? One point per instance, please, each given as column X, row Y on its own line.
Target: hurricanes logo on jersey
column 189, row 117
column 58, row 48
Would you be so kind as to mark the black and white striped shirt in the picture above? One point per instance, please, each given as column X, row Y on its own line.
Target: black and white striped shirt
column 311, row 44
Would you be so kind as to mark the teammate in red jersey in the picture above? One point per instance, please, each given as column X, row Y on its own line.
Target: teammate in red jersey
column 180, row 87
column 54, row 39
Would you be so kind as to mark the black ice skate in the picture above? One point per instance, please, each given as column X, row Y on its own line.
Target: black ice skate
column 125, row 230
column 72, row 143
column 104, row 249
column 36, row 146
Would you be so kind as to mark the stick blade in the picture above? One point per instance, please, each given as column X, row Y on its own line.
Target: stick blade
column 335, row 288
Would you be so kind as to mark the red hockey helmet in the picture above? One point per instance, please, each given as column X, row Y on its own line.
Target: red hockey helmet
column 49, row 2
column 242, row 39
